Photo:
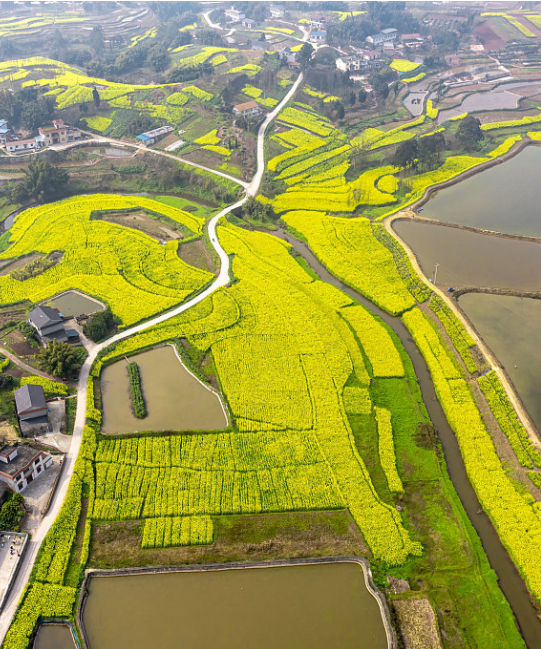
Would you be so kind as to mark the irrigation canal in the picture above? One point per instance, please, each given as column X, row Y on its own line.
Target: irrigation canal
column 509, row 578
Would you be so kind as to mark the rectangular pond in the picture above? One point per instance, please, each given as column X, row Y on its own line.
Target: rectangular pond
column 324, row 606
column 174, row 398
column 467, row 258
column 73, row 303
column 54, row 636
column 511, row 327
column 503, row 198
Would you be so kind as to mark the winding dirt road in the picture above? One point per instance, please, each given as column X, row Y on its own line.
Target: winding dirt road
column 28, row 560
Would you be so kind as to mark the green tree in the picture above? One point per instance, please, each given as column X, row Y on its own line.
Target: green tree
column 97, row 42
column 406, row 154
column 305, row 55
column 99, row 325
column 430, row 148
column 11, row 513
column 42, row 181
column 96, row 97
column 469, row 132
column 60, row 359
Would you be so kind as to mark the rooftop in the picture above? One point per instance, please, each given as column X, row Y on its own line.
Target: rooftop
column 44, row 316
column 25, row 456
column 157, row 131
column 29, row 397
column 247, row 105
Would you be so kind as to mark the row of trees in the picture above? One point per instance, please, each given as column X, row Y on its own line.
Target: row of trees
column 25, row 108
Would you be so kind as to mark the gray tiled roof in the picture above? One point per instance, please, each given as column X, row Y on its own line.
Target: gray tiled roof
column 44, row 316
column 29, row 397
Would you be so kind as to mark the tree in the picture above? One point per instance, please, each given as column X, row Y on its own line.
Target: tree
column 11, row 513
column 97, row 42
column 305, row 55
column 6, row 381
column 469, row 132
column 60, row 359
column 96, row 97
column 42, row 181
column 98, row 326
column 158, row 57
column 430, row 148
column 362, row 96
column 340, row 112
column 406, row 154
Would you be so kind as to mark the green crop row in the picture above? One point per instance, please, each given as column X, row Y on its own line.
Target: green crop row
column 462, row 340
column 420, row 291
column 508, row 420
column 515, row 517
column 177, row 531
column 137, row 399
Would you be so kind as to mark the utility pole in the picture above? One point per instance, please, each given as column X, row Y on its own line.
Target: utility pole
column 435, row 272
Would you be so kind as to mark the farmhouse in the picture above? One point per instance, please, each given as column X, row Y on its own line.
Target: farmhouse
column 277, row 11
column 59, row 133
column 234, row 15
column 150, row 137
column 5, row 132
column 247, row 109
column 317, row 23
column 50, row 325
column 32, row 410
column 388, row 35
column 249, row 23
column 20, row 465
column 23, row 145
column 318, row 36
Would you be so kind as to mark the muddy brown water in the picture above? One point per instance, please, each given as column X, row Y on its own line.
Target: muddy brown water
column 174, row 398
column 54, row 636
column 467, row 258
column 291, row 607
column 511, row 327
column 510, row 581
column 75, row 304
column 501, row 198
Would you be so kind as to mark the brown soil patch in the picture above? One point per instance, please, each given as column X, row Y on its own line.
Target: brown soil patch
column 237, row 538
column 24, row 349
column 144, row 223
column 196, row 254
column 16, row 373
column 488, row 37
column 417, row 623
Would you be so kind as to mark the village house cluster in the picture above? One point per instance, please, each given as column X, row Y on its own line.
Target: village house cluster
column 387, row 42
column 50, row 135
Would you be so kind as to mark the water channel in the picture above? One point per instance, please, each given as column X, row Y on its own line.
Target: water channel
column 502, row 198
column 175, row 399
column 511, row 327
column 316, row 606
column 54, row 636
column 510, row 581
column 467, row 258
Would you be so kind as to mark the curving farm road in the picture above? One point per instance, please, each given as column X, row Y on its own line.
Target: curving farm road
column 27, row 562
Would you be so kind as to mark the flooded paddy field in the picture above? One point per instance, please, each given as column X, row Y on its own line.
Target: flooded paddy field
column 504, row 97
column 511, row 327
column 502, row 198
column 174, row 398
column 316, row 606
column 73, row 303
column 54, row 636
column 467, row 258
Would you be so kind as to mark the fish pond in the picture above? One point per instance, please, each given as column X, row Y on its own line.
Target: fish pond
column 467, row 258
column 511, row 327
column 54, row 636
column 502, row 198
column 174, row 398
column 317, row 606
column 73, row 303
